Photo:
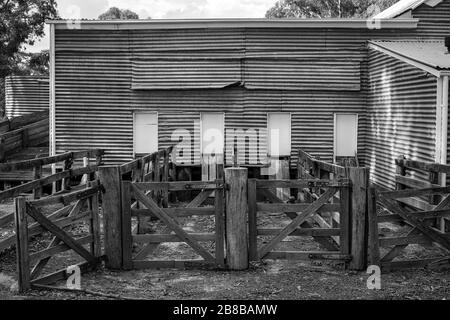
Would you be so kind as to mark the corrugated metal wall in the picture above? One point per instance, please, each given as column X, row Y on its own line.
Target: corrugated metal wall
column 25, row 95
column 95, row 99
column 434, row 22
column 401, row 116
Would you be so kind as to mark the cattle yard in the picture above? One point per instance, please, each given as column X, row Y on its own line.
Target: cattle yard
column 136, row 218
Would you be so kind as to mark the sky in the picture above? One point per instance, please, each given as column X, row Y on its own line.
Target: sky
column 160, row 9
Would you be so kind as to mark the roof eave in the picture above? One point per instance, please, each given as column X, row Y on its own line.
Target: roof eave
column 234, row 23
column 438, row 72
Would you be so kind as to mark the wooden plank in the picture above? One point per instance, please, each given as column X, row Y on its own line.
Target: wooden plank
column 424, row 166
column 55, row 249
column 373, row 249
column 161, row 238
column 176, row 212
column 345, row 221
column 417, row 204
column 328, row 243
column 252, row 221
column 96, row 247
column 111, row 179
column 236, row 218
column 400, row 194
column 127, row 240
column 301, row 232
column 176, row 186
column 67, row 198
column 37, row 269
column 360, row 185
column 30, row 164
column 414, row 183
column 202, row 197
column 35, row 229
column 299, row 207
column 394, row 207
column 171, row 264
column 297, row 221
column 58, row 232
column 403, row 241
column 171, row 223
column 299, row 184
column 37, row 175
column 307, row 255
column 23, row 262
column 30, row 186
column 219, row 220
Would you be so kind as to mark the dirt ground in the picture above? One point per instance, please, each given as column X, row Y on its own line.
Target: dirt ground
column 284, row 280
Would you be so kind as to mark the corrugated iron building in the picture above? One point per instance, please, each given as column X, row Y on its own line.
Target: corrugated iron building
column 103, row 73
column 25, row 95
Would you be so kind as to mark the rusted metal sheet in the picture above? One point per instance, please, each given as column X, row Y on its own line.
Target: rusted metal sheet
column 26, row 95
column 401, row 116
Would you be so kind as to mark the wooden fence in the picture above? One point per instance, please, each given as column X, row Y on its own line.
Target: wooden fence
column 311, row 168
column 421, row 207
column 62, row 178
column 335, row 237
column 24, row 132
column 150, row 168
column 144, row 193
column 79, row 207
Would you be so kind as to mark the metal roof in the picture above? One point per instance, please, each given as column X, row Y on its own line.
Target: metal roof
column 430, row 54
column 403, row 6
column 231, row 23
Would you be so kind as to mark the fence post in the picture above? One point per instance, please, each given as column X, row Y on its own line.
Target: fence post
column 2, row 150
column 23, row 262
column 360, row 185
column 111, row 180
column 252, row 220
column 236, row 218
column 373, row 244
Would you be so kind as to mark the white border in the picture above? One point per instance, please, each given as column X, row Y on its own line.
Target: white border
column 290, row 132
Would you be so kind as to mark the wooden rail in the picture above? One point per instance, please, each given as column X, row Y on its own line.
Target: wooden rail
column 36, row 186
column 84, row 209
column 18, row 122
column 22, row 132
column 309, row 167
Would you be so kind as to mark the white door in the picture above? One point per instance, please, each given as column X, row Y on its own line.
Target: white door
column 212, row 143
column 346, row 135
column 145, row 132
column 279, row 134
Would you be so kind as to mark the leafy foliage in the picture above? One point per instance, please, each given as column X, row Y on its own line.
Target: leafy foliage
column 328, row 8
column 115, row 13
column 21, row 23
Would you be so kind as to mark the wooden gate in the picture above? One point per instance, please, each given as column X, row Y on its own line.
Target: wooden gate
column 421, row 225
column 80, row 209
column 138, row 200
column 326, row 196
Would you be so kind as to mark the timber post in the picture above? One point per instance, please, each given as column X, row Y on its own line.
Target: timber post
column 236, row 218
column 23, row 262
column 111, row 180
column 359, row 178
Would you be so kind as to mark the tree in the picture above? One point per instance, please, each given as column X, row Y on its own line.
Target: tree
column 328, row 8
column 21, row 23
column 115, row 13
column 31, row 64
